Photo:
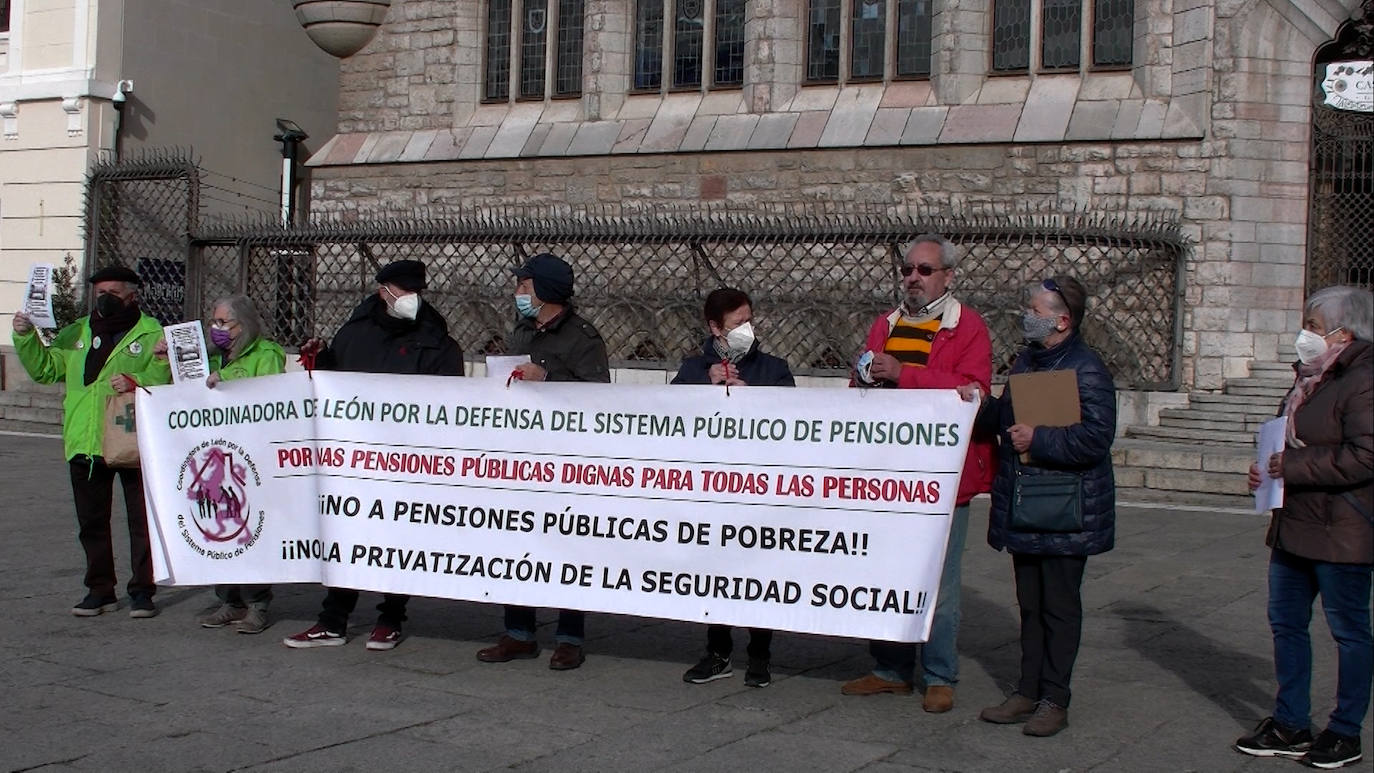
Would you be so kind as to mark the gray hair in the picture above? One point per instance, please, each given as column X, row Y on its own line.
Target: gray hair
column 948, row 257
column 1351, row 308
column 244, row 312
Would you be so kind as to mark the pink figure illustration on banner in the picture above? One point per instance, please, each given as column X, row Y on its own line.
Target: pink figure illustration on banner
column 219, row 491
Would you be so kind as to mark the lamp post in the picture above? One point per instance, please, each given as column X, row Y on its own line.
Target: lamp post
column 290, row 136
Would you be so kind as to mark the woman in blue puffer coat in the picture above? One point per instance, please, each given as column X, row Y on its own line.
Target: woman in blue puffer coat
column 1048, row 565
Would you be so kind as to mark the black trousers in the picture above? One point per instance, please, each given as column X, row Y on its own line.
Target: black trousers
column 339, row 604
column 93, row 492
column 720, row 642
column 1049, row 592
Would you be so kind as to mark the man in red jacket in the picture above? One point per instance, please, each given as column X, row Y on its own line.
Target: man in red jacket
column 931, row 341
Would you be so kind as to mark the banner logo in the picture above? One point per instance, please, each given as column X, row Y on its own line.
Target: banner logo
column 221, row 482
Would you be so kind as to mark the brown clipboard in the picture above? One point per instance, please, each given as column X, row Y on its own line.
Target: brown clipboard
column 1047, row 398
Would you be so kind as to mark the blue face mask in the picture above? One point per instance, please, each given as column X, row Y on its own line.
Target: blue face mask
column 525, row 305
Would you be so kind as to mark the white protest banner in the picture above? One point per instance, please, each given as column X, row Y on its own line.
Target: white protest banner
column 38, row 296
column 186, row 352
column 813, row 510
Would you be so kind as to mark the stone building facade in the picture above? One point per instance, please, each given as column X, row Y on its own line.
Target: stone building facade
column 1209, row 123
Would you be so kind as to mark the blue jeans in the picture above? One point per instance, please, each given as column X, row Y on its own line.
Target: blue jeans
column 1294, row 583
column 520, row 625
column 896, row 661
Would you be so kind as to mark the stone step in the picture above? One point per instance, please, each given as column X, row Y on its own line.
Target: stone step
column 1129, row 452
column 30, row 399
column 1132, row 495
column 1195, row 436
column 1267, row 383
column 1222, row 422
column 1272, row 370
column 48, row 416
column 1208, row 412
column 1232, row 403
column 1183, row 482
column 1255, row 390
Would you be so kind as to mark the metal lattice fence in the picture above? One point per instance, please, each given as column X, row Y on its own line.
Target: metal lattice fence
column 818, row 281
column 818, row 276
column 1341, row 209
column 141, row 213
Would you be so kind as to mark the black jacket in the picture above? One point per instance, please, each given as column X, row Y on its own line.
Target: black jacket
column 568, row 348
column 755, row 367
column 372, row 341
column 1084, row 448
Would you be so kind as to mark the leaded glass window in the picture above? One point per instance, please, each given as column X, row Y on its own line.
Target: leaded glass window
column 649, row 44
column 688, row 28
column 533, row 42
column 568, row 64
column 823, row 41
column 1113, row 32
column 869, row 37
column 498, row 50
column 1011, row 35
column 913, row 38
column 729, row 43
column 1061, row 33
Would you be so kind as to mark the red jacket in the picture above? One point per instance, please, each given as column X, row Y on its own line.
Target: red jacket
column 960, row 354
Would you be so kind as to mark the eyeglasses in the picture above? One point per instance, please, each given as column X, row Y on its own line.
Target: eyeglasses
column 922, row 269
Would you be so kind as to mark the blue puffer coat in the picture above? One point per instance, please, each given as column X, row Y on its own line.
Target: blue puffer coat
column 1085, row 448
column 755, row 367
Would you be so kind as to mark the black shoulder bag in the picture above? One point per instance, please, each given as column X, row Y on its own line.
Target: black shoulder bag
column 1050, row 501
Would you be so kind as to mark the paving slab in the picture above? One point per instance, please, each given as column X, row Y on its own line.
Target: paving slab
column 1175, row 664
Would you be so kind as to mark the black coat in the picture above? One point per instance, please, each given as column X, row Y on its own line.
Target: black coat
column 755, row 368
column 372, row 341
column 1084, row 448
column 568, row 348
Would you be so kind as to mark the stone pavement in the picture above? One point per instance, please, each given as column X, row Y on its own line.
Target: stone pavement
column 1175, row 665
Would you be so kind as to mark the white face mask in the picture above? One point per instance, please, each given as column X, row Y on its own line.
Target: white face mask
column 1310, row 346
column 404, row 306
column 740, row 340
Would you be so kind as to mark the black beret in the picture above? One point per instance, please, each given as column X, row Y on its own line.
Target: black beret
column 116, row 273
column 405, row 274
column 553, row 277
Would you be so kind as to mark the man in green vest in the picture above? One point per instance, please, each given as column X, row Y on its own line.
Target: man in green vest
column 108, row 353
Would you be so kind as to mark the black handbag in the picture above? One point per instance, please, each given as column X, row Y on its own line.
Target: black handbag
column 1050, row 501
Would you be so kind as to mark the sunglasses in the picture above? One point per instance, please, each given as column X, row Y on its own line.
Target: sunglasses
column 923, row 270
column 1052, row 286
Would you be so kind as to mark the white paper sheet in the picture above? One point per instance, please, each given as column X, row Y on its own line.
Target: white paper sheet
column 1269, row 441
column 501, row 366
column 38, row 296
column 186, row 351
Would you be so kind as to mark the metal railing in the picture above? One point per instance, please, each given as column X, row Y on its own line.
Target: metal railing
column 819, row 275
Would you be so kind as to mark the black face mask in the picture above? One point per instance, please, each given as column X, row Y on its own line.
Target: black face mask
column 108, row 304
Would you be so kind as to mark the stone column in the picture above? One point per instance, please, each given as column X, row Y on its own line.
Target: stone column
column 961, row 43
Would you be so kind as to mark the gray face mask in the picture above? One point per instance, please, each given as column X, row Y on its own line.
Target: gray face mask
column 1036, row 328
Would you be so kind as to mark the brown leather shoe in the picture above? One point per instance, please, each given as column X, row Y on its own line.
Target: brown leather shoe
column 872, row 684
column 509, row 649
column 1015, row 709
column 1049, row 719
column 939, row 699
column 566, row 657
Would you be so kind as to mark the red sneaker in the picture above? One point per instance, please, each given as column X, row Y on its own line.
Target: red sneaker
column 315, row 636
column 384, row 637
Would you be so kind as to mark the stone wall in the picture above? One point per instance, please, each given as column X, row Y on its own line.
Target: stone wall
column 1210, row 125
